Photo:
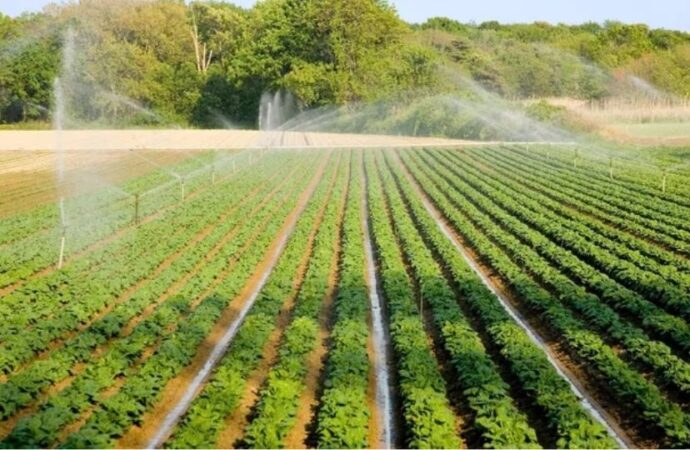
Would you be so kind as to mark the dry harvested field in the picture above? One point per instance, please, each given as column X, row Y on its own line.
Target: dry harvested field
column 197, row 140
column 337, row 291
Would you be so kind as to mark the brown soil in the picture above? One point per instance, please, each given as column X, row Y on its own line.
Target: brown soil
column 31, row 180
column 623, row 138
column 99, row 141
column 139, row 437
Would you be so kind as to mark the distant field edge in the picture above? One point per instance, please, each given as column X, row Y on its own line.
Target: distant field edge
column 204, row 139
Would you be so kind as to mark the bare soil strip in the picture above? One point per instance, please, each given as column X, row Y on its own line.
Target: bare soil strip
column 587, row 401
column 179, row 393
column 101, row 140
column 32, row 181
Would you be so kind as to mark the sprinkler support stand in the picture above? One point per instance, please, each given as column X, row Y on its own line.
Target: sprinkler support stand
column 61, row 260
column 663, row 181
column 136, row 209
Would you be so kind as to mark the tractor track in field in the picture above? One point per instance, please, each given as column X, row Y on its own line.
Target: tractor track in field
column 453, row 392
column 556, row 358
column 181, row 390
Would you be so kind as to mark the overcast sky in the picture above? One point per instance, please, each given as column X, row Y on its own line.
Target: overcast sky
column 674, row 14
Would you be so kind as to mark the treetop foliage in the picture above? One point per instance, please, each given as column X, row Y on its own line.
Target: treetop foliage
column 139, row 62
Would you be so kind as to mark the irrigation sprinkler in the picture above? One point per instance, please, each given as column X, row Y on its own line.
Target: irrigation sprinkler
column 61, row 259
column 611, row 167
column 136, row 209
column 577, row 155
column 63, row 236
column 182, row 189
column 663, row 180
column 213, row 174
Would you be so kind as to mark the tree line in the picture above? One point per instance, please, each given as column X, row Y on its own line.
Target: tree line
column 206, row 63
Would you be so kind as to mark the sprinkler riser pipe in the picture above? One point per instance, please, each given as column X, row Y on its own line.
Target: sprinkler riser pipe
column 136, row 209
column 61, row 259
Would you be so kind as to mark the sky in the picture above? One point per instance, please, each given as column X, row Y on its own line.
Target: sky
column 672, row 14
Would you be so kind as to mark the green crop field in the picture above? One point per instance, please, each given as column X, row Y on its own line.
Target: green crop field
column 490, row 296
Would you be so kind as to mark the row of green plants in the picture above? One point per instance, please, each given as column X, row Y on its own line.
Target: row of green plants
column 429, row 420
column 670, row 368
column 651, row 317
column 343, row 416
column 569, row 425
column 623, row 383
column 575, row 255
column 621, row 195
column 202, row 424
column 122, row 359
column 140, row 391
column 629, row 248
column 599, row 205
column 279, row 399
column 495, row 418
column 55, row 297
column 22, row 387
column 629, row 174
column 22, row 302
